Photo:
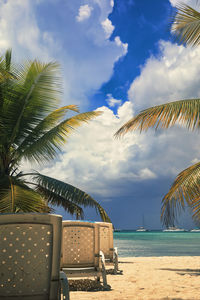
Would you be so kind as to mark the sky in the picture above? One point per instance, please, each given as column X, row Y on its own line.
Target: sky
column 118, row 57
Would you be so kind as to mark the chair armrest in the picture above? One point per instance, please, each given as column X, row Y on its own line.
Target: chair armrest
column 103, row 269
column 115, row 256
column 64, row 285
column 102, row 257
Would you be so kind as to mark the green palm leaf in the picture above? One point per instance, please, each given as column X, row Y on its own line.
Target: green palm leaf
column 55, row 199
column 185, row 112
column 32, row 128
column 186, row 25
column 44, row 126
column 37, row 93
column 185, row 190
column 18, row 199
column 47, row 146
column 69, row 193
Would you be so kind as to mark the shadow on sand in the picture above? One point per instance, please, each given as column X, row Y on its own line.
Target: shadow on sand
column 87, row 285
column 126, row 262
column 192, row 272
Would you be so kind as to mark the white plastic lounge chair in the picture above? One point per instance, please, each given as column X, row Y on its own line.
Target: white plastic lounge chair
column 30, row 246
column 81, row 256
column 106, row 244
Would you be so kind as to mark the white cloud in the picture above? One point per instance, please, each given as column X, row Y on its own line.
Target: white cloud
column 195, row 161
column 112, row 3
column 174, row 75
column 25, row 38
column 171, row 76
column 104, row 166
column 108, row 27
column 89, row 60
column 82, row 49
column 84, row 13
column 112, row 101
column 147, row 174
column 192, row 3
column 119, row 44
column 93, row 157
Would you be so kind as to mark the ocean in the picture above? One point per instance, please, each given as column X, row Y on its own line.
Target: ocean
column 157, row 243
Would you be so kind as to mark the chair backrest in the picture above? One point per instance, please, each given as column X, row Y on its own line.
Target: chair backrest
column 106, row 238
column 30, row 246
column 80, row 244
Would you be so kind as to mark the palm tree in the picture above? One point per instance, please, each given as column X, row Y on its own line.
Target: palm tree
column 186, row 188
column 32, row 129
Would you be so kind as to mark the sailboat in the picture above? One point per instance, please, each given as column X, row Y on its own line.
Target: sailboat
column 195, row 230
column 173, row 228
column 142, row 228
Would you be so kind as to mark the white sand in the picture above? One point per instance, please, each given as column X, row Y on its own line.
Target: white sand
column 151, row 278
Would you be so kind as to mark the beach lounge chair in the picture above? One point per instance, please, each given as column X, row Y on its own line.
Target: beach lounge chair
column 106, row 244
column 81, row 256
column 30, row 246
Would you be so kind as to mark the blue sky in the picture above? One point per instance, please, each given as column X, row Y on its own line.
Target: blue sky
column 117, row 57
column 141, row 26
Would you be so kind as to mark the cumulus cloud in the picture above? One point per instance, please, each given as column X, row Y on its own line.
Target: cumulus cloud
column 112, row 101
column 91, row 52
column 108, row 27
column 89, row 60
column 174, row 75
column 26, row 39
column 120, row 44
column 192, row 3
column 112, row 3
column 93, row 158
column 106, row 167
column 146, row 174
column 84, row 13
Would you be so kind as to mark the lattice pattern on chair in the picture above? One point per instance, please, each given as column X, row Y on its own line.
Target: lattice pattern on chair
column 105, row 240
column 33, row 246
column 106, row 244
column 78, row 246
column 81, row 255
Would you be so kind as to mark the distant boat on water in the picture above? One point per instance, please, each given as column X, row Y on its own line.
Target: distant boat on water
column 195, row 230
column 117, row 230
column 173, row 229
column 142, row 229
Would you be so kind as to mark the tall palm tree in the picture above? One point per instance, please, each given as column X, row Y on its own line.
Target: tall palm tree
column 186, row 187
column 32, row 129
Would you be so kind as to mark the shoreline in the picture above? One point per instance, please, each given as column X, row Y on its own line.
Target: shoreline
column 150, row 278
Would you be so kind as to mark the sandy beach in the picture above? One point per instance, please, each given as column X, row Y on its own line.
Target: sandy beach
column 151, row 278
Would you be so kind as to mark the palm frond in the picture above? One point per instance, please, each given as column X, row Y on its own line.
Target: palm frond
column 185, row 112
column 8, row 56
column 32, row 128
column 27, row 98
column 36, row 97
column 196, row 209
column 6, row 71
column 7, row 77
column 44, row 126
column 55, row 199
column 69, row 193
column 46, row 146
column 186, row 25
column 21, row 199
column 185, row 190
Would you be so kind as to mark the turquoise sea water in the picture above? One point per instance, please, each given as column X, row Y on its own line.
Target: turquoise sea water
column 156, row 243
